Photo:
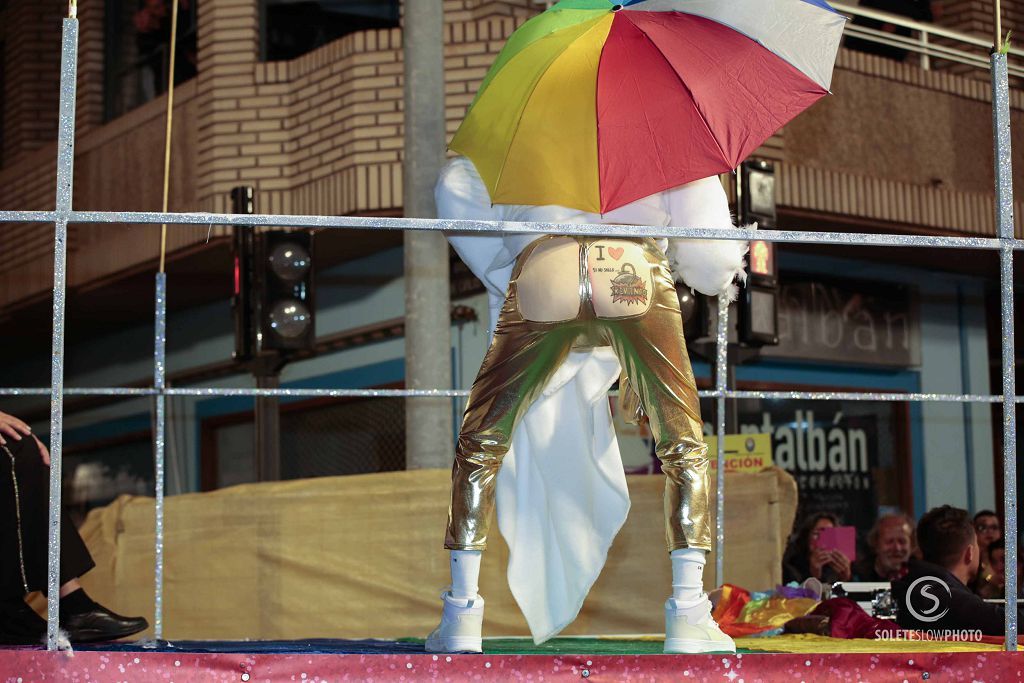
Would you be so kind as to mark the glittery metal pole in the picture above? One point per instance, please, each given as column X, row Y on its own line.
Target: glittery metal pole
column 890, row 397
column 721, row 385
column 1004, row 220
column 159, row 383
column 65, row 177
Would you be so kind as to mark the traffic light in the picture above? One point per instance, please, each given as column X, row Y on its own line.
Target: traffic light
column 755, row 199
column 758, row 304
column 242, row 201
column 284, row 282
column 273, row 304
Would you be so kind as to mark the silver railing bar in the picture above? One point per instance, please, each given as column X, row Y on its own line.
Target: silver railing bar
column 600, row 229
column 141, row 392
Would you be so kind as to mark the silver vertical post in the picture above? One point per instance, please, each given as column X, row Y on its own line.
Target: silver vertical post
column 721, row 382
column 159, row 383
column 65, row 178
column 1004, row 220
column 427, row 318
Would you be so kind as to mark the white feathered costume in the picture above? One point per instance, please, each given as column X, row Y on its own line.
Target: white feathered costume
column 561, row 492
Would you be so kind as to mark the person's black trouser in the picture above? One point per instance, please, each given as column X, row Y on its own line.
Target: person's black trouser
column 33, row 487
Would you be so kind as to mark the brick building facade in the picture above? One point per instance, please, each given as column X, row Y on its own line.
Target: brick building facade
column 322, row 133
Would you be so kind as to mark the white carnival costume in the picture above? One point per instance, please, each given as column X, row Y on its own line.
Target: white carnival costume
column 561, row 489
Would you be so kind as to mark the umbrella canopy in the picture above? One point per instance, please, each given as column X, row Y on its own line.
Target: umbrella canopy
column 593, row 105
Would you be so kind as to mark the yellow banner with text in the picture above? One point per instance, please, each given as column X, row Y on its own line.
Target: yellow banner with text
column 743, row 452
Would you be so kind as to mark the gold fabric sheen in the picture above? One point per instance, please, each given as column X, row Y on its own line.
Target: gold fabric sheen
column 629, row 282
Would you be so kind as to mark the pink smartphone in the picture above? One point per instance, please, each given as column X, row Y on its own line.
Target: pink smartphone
column 841, row 538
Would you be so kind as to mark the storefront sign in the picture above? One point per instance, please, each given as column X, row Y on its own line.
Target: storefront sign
column 847, row 320
column 832, row 454
column 743, row 452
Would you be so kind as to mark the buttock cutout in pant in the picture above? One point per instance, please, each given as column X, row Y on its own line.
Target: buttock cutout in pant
column 560, row 274
column 580, row 292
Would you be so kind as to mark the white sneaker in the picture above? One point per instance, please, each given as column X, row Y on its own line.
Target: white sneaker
column 461, row 628
column 689, row 629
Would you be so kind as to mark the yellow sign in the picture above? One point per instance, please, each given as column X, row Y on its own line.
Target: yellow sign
column 743, row 452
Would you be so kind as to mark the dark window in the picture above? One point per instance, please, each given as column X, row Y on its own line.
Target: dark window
column 138, row 51
column 3, row 100
column 318, row 439
column 291, row 28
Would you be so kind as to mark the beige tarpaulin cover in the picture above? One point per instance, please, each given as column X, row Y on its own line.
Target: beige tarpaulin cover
column 361, row 556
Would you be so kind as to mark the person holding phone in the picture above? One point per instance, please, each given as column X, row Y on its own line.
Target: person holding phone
column 806, row 557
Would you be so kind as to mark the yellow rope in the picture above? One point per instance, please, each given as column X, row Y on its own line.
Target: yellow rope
column 999, row 27
column 170, row 121
column 73, row 9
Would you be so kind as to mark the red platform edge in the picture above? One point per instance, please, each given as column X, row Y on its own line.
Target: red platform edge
column 23, row 666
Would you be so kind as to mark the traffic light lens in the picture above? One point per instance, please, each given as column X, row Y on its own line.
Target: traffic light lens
column 290, row 319
column 290, row 261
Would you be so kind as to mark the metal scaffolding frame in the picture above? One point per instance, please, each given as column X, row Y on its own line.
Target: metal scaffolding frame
column 1004, row 243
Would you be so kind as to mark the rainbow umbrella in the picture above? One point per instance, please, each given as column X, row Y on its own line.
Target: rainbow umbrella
column 593, row 105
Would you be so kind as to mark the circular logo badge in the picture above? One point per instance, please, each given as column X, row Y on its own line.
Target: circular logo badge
column 928, row 598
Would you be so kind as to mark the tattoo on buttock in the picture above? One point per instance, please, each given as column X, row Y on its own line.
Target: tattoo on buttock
column 628, row 287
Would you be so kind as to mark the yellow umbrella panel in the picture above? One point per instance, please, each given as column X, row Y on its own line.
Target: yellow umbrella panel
column 543, row 97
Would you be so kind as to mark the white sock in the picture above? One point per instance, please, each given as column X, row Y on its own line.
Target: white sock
column 688, row 574
column 465, row 566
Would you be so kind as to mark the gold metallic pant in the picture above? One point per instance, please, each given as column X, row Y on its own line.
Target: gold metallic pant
column 648, row 340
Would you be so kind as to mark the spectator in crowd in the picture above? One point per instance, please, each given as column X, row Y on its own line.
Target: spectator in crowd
column 918, row 10
column 989, row 530
column 804, row 559
column 994, row 586
column 891, row 541
column 997, row 561
column 24, row 521
column 949, row 547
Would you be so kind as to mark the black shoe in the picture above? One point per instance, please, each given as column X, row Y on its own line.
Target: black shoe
column 19, row 624
column 100, row 624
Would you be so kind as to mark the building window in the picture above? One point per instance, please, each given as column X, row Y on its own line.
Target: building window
column 291, row 28
column 138, row 50
column 319, row 438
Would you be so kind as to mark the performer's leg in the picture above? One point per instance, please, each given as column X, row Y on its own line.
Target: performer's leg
column 688, row 574
column 652, row 352
column 521, row 359
column 465, row 568
column 653, row 355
